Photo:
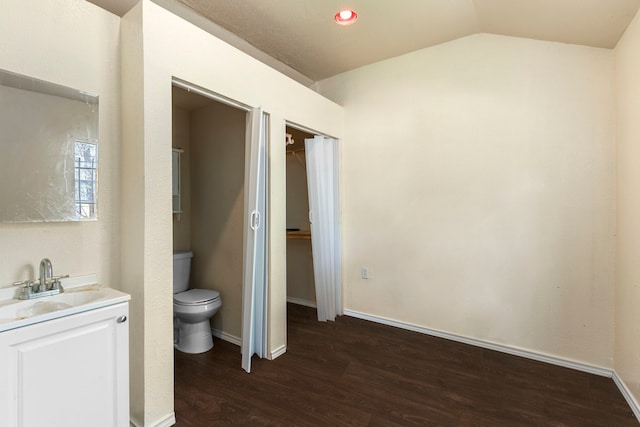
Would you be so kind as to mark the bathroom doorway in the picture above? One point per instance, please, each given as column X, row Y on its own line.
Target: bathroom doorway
column 214, row 139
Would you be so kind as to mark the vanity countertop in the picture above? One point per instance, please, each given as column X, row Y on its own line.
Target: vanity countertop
column 80, row 294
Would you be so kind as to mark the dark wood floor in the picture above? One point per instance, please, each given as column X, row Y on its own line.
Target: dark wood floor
column 357, row 373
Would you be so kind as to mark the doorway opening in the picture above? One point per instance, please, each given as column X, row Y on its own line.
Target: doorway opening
column 209, row 220
column 219, row 215
column 313, row 222
column 300, row 275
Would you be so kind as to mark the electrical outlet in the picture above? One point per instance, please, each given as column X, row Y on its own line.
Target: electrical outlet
column 364, row 272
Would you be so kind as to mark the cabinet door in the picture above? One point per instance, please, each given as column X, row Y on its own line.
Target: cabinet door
column 71, row 371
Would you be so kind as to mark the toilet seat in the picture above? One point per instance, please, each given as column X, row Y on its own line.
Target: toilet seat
column 196, row 297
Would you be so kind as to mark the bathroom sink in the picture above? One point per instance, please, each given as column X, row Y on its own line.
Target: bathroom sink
column 15, row 313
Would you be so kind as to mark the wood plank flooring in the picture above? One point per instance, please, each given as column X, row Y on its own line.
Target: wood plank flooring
column 357, row 373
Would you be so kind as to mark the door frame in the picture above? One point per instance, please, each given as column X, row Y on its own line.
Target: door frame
column 183, row 84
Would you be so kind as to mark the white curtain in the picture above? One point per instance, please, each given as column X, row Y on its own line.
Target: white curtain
column 324, row 215
column 254, row 280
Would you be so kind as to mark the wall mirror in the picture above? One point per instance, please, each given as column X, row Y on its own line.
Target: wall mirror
column 48, row 151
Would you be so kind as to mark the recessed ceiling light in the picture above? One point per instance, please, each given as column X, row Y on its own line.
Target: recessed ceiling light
column 346, row 17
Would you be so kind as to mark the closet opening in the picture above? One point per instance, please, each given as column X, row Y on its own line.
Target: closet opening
column 300, row 275
column 313, row 222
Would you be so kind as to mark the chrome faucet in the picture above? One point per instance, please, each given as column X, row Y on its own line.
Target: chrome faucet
column 46, row 270
column 46, row 286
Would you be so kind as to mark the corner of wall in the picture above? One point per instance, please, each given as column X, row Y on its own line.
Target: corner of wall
column 627, row 346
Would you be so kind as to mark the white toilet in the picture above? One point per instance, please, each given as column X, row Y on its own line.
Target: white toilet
column 192, row 309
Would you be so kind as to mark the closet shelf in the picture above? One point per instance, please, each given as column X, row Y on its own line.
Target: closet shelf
column 299, row 235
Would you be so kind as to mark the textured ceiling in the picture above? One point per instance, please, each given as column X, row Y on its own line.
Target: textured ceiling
column 302, row 34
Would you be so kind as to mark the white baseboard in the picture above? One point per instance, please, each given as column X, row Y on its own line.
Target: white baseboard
column 226, row 337
column 603, row 372
column 278, row 352
column 167, row 421
column 628, row 396
column 237, row 341
column 301, row 302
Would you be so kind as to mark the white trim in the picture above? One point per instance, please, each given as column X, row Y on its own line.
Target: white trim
column 167, row 421
column 302, row 302
column 278, row 352
column 628, row 396
column 596, row 370
column 307, row 130
column 226, row 337
column 189, row 87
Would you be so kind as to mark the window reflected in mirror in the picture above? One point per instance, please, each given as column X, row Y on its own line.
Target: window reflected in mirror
column 86, row 174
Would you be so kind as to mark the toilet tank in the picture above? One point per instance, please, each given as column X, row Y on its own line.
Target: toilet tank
column 181, row 270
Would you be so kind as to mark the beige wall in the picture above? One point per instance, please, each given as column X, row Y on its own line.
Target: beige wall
column 478, row 187
column 181, row 139
column 156, row 46
column 300, row 281
column 627, row 318
column 34, row 44
column 212, row 174
column 144, row 270
column 496, row 152
column 297, row 195
column 217, row 173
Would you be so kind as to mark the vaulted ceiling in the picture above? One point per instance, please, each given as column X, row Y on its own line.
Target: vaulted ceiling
column 303, row 35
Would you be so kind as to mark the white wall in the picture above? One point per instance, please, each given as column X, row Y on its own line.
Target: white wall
column 156, row 46
column 627, row 354
column 478, row 187
column 41, row 40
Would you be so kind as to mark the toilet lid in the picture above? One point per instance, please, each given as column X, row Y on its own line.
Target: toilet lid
column 196, row 297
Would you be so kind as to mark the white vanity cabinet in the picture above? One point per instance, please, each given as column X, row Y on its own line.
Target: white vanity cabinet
column 67, row 372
